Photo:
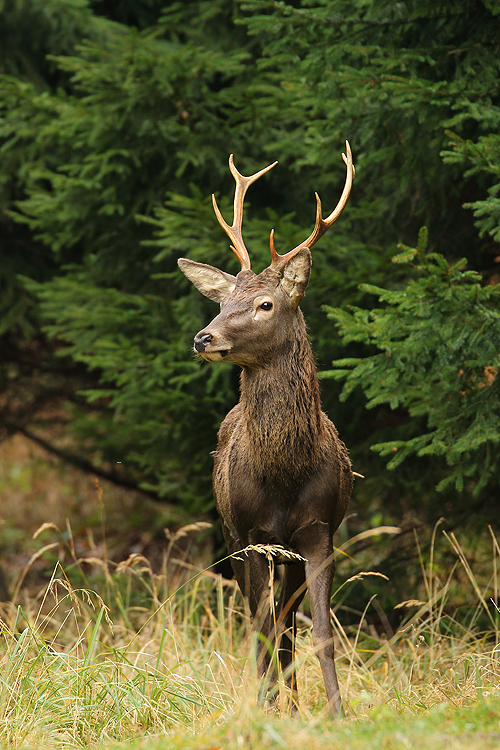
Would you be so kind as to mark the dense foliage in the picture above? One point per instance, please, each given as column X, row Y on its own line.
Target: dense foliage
column 439, row 339
column 116, row 121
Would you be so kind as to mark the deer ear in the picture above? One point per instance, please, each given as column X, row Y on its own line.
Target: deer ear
column 210, row 281
column 296, row 275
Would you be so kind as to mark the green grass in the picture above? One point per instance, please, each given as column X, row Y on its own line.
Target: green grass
column 474, row 727
column 109, row 655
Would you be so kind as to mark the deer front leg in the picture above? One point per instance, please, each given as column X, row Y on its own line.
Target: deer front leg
column 253, row 576
column 314, row 543
column 234, row 546
column 292, row 593
column 261, row 599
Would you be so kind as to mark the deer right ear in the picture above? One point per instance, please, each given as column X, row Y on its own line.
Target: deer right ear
column 210, row 281
column 296, row 275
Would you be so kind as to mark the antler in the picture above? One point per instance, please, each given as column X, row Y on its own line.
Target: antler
column 234, row 231
column 322, row 225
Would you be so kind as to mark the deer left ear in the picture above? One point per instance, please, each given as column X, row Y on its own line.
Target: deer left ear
column 210, row 281
column 296, row 275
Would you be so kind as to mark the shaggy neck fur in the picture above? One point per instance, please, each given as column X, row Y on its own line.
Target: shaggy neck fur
column 282, row 409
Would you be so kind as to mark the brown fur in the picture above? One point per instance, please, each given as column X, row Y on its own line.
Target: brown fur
column 281, row 473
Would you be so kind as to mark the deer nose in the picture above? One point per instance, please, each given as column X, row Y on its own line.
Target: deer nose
column 201, row 340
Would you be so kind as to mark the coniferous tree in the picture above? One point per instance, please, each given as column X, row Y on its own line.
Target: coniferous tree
column 439, row 341
column 417, row 88
column 115, row 129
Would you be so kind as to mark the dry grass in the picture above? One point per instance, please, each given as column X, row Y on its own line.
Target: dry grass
column 148, row 655
column 107, row 652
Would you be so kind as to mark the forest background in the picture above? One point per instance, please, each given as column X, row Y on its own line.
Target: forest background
column 116, row 121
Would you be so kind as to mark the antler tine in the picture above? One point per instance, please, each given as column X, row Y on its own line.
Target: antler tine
column 234, row 231
column 322, row 225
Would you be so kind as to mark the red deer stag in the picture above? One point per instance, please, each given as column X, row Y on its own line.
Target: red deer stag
column 281, row 476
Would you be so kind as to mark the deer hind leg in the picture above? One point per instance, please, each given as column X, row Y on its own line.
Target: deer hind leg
column 292, row 593
column 314, row 542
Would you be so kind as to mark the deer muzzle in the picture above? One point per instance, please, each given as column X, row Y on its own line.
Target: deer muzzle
column 211, row 347
column 201, row 341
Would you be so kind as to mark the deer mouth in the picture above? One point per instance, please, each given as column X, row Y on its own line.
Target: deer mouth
column 214, row 356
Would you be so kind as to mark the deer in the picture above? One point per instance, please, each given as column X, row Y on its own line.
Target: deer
column 281, row 476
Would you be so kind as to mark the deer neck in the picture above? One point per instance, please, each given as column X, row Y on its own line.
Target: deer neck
column 282, row 409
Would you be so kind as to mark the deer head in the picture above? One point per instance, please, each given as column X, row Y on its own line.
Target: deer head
column 256, row 310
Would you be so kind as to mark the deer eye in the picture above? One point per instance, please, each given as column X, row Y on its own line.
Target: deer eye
column 266, row 306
